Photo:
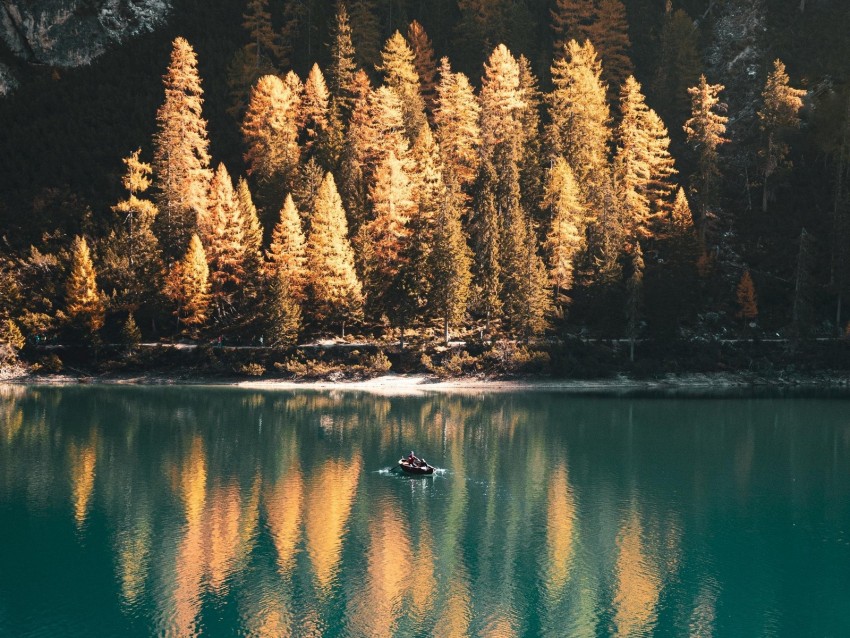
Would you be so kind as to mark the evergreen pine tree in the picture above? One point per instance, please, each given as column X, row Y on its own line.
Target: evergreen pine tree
column 425, row 63
column 486, row 241
column 181, row 156
column 342, row 67
column 530, row 168
column 365, row 32
column 524, row 284
column 705, row 130
column 780, row 111
column 132, row 266
column 570, row 20
column 449, row 267
column 130, row 333
column 678, row 64
column 283, row 317
column 610, row 36
column 84, row 302
column 334, row 291
column 634, row 298
column 263, row 41
column 457, row 130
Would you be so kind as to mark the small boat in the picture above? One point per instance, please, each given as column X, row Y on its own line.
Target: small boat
column 411, row 468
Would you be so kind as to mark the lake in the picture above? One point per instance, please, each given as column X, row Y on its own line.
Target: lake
column 182, row 511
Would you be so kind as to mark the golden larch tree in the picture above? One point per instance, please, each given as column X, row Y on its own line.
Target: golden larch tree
column 457, row 129
column 270, row 130
column 399, row 70
column 187, row 285
column 314, row 112
column 181, row 151
column 335, row 292
column 501, row 99
column 286, row 254
column 84, row 302
column 579, row 113
column 569, row 219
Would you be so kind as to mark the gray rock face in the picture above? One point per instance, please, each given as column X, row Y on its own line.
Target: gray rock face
column 8, row 82
column 69, row 33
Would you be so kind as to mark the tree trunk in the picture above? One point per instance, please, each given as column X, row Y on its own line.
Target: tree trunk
column 632, row 349
column 446, row 329
column 838, row 312
column 343, row 329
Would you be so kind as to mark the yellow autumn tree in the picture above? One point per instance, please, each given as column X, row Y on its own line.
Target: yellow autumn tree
column 335, row 292
column 457, row 129
column 286, row 256
column 502, row 101
column 569, row 219
column 187, row 286
column 425, row 63
column 399, row 71
column 270, row 132
column 181, row 151
column 314, row 113
column 84, row 302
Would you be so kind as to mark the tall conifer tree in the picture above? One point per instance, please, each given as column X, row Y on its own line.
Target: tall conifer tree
column 342, row 67
column 457, row 129
column 502, row 101
column 286, row 254
column 334, row 291
column 610, row 35
column 706, row 129
column 425, row 63
column 181, row 156
column 569, row 219
column 399, row 70
column 570, row 20
column 780, row 111
column 132, row 265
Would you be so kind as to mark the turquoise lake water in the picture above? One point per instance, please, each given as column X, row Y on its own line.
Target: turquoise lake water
column 187, row 511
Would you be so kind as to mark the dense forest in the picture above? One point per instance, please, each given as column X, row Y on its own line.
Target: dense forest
column 538, row 170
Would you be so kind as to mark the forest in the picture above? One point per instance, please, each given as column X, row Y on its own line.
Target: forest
column 546, row 173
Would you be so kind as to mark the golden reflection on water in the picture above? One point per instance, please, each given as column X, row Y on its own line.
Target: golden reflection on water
column 638, row 582
column 82, row 460
column 330, row 495
column 283, row 505
column 377, row 604
column 560, row 528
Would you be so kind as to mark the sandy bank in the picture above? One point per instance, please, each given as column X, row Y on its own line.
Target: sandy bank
column 400, row 384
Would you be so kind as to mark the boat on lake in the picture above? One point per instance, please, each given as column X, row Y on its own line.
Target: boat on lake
column 417, row 466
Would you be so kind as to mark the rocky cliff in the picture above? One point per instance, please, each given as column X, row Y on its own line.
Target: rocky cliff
column 68, row 33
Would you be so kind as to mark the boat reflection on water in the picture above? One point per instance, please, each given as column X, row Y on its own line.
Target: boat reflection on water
column 220, row 511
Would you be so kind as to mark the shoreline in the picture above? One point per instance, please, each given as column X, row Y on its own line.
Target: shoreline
column 400, row 384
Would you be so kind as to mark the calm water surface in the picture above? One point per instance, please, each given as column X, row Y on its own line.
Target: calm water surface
column 225, row 512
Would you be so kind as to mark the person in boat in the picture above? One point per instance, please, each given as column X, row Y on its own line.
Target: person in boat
column 412, row 460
